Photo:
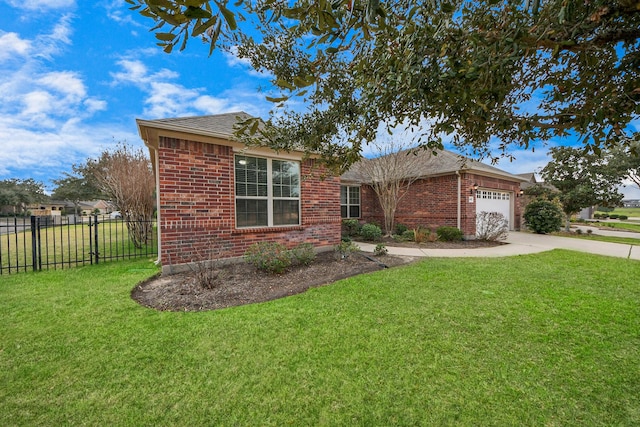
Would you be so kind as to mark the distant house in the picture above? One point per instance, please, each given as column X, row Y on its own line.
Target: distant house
column 217, row 195
column 52, row 209
column 450, row 190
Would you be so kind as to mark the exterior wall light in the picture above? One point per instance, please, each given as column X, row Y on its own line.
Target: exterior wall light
column 474, row 188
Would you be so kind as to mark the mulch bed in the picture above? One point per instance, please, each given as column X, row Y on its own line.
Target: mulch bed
column 241, row 283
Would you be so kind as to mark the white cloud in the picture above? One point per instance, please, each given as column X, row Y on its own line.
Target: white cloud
column 41, row 5
column 233, row 60
column 11, row 45
column 164, row 97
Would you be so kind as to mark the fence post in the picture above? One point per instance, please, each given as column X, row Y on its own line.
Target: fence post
column 95, row 235
column 34, row 242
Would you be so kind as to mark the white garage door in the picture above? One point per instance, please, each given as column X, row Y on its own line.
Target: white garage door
column 494, row 201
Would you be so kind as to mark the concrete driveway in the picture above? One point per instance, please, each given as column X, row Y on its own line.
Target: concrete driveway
column 521, row 243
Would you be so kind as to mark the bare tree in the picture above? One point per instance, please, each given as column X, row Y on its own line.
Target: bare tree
column 126, row 177
column 394, row 168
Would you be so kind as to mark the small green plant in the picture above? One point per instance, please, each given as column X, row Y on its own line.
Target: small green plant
column 380, row 250
column 543, row 216
column 408, row 236
column 578, row 231
column 345, row 249
column 400, row 229
column 623, row 217
column 370, row 232
column 614, row 216
column 272, row 257
column 589, row 231
column 449, row 234
column 350, row 227
column 304, row 254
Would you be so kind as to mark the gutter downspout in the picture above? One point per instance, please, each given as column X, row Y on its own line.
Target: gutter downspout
column 157, row 174
column 459, row 196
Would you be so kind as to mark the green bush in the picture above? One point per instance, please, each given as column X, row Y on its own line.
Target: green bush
column 370, row 232
column 400, row 229
column 272, row 257
column 623, row 217
column 614, row 216
column 351, row 227
column 345, row 249
column 304, row 253
column 543, row 216
column 380, row 250
column 449, row 234
column 408, row 236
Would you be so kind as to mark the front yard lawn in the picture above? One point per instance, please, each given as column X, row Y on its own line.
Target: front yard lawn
column 544, row 339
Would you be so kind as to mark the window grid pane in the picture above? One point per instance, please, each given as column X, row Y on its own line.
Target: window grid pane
column 254, row 205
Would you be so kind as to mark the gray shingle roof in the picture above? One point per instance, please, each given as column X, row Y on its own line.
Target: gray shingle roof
column 442, row 163
column 218, row 124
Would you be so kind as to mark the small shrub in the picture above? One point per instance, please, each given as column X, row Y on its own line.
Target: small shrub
column 400, row 229
column 614, row 216
column 345, row 249
column 272, row 257
column 492, row 226
column 370, row 232
column 205, row 266
column 351, row 227
column 623, row 217
column 408, row 236
column 380, row 250
column 543, row 216
column 304, row 254
column 449, row 234
column 578, row 231
column 421, row 234
column 589, row 231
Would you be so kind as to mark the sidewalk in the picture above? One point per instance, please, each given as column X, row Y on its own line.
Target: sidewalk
column 521, row 243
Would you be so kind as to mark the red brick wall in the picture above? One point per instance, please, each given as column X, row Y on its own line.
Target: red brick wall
column 432, row 202
column 197, row 209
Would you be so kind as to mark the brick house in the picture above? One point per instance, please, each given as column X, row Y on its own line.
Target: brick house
column 450, row 190
column 214, row 192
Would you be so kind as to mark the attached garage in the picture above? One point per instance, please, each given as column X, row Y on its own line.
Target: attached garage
column 496, row 201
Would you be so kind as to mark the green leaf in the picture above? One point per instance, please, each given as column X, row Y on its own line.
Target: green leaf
column 199, row 29
column 229, row 17
column 277, row 99
column 196, row 13
column 285, row 84
column 166, row 37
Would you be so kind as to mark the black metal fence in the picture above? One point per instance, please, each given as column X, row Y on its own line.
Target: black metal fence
column 54, row 242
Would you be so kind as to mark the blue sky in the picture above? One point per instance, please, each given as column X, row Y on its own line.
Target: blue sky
column 75, row 75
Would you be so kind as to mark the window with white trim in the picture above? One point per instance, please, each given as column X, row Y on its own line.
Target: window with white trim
column 267, row 192
column 349, row 201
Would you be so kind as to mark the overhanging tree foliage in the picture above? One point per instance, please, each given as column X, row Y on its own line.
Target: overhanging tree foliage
column 517, row 70
column 582, row 179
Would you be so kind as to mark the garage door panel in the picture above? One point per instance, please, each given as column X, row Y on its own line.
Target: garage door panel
column 494, row 201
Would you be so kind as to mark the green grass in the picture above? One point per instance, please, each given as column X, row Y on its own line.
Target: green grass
column 69, row 244
column 630, row 212
column 600, row 238
column 619, row 226
column 544, row 339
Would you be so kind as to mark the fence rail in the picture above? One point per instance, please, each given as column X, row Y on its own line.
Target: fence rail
column 41, row 243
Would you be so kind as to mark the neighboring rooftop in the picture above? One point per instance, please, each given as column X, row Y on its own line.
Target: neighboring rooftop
column 443, row 162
